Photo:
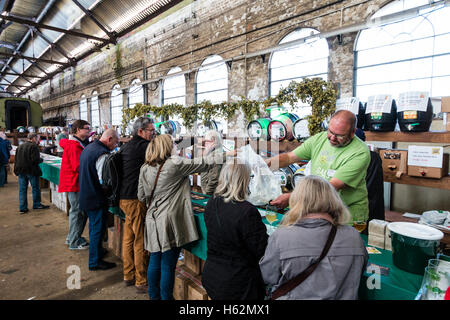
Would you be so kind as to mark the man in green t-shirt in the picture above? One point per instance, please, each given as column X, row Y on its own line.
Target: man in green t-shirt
column 338, row 156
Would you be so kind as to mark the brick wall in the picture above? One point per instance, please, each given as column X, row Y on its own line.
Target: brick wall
column 202, row 28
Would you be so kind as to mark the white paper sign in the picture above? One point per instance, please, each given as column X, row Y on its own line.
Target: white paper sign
column 424, row 156
column 350, row 104
column 379, row 103
column 414, row 100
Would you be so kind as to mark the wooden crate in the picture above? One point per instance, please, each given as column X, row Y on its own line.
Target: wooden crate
column 196, row 292
column 180, row 287
column 193, row 262
column 118, row 236
column 189, row 284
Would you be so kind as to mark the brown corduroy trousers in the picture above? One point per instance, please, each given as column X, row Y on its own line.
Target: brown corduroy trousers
column 135, row 258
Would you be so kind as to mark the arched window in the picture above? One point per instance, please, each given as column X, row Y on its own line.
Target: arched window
column 212, row 84
column 83, row 108
column 135, row 93
column 174, row 88
column 174, row 91
column 212, row 80
column 411, row 54
column 308, row 59
column 95, row 112
column 116, row 105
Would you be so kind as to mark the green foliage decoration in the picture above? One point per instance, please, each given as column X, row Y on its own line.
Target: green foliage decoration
column 117, row 65
column 318, row 93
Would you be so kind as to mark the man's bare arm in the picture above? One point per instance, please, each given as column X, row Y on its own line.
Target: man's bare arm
column 282, row 161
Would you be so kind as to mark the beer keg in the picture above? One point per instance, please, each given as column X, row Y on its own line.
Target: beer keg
column 280, row 128
column 259, row 129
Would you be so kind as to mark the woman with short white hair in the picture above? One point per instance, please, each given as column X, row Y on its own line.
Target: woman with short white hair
column 236, row 239
column 315, row 208
column 214, row 147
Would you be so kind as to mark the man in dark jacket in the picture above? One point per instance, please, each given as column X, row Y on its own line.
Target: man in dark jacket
column 133, row 156
column 374, row 183
column 5, row 147
column 26, row 166
column 92, row 199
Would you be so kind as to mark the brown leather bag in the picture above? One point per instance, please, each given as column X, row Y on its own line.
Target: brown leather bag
column 297, row 280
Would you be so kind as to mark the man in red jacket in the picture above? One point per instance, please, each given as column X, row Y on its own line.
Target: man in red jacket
column 68, row 182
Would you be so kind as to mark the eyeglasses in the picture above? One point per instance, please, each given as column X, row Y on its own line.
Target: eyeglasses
column 88, row 128
column 338, row 136
column 151, row 130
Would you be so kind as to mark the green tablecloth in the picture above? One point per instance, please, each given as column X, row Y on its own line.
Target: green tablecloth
column 50, row 170
column 397, row 285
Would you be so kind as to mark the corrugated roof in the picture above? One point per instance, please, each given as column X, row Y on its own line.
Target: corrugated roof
column 111, row 19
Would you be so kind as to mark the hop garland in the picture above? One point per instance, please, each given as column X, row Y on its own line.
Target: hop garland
column 319, row 94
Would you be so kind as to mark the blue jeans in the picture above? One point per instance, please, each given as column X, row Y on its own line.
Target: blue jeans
column 2, row 174
column 161, row 274
column 23, row 187
column 77, row 220
column 97, row 228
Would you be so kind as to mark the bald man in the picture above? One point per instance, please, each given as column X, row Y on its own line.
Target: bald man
column 338, row 156
column 92, row 199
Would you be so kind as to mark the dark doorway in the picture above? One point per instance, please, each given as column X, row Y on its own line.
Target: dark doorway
column 18, row 113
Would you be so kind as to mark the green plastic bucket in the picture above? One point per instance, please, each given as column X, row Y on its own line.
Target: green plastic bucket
column 413, row 245
column 259, row 129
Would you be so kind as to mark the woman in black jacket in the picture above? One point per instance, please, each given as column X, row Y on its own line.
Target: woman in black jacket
column 236, row 239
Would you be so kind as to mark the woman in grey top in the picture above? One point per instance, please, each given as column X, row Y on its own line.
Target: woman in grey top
column 169, row 223
column 299, row 241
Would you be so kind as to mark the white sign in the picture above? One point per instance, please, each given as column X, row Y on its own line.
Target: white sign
column 379, row 103
column 350, row 104
column 425, row 156
column 414, row 100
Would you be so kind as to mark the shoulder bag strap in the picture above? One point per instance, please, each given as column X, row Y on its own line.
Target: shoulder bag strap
column 294, row 282
column 156, row 181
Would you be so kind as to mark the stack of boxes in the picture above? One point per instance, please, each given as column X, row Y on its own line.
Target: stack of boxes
column 379, row 234
column 115, row 237
column 59, row 199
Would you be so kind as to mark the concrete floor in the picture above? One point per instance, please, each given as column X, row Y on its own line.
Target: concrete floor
column 34, row 259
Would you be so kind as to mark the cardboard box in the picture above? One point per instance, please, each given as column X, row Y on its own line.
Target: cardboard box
column 446, row 120
column 387, row 240
column 111, row 238
column 118, row 237
column 430, row 172
column 445, row 104
column 59, row 199
column 394, row 162
column 192, row 262
column 376, row 241
column 377, row 227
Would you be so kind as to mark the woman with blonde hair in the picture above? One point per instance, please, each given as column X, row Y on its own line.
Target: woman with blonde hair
column 169, row 224
column 315, row 208
column 236, row 239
